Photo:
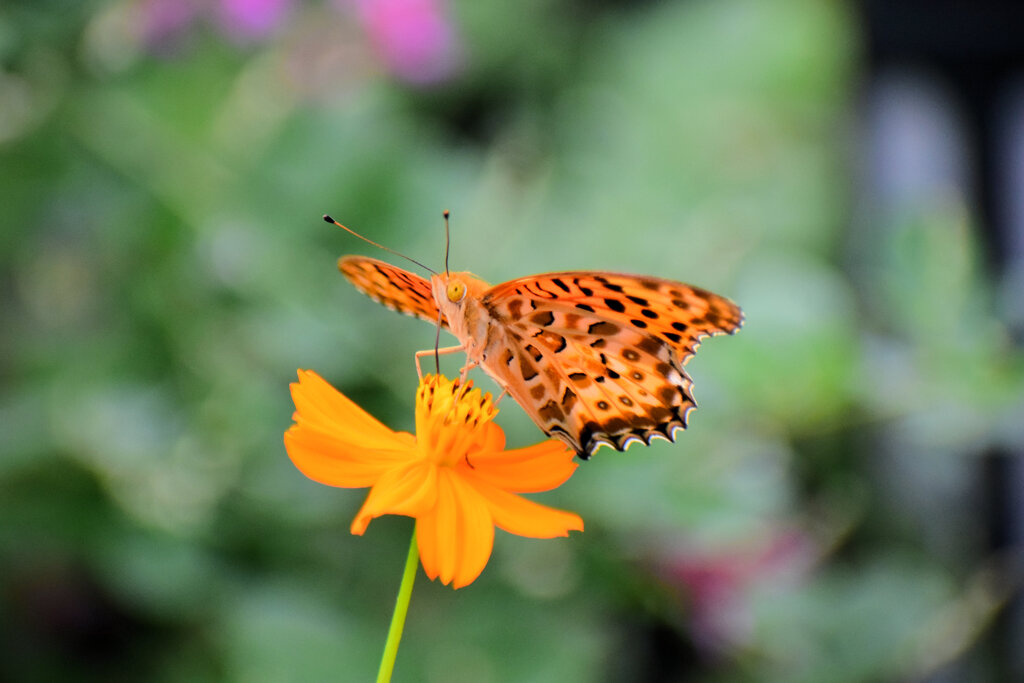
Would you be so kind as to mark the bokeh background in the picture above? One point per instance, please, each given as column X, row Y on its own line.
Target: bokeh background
column 848, row 504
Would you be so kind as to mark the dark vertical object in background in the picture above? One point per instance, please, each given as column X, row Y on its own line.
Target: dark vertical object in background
column 971, row 52
column 977, row 48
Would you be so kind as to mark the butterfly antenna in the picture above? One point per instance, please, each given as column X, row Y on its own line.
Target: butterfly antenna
column 328, row 219
column 440, row 315
column 437, row 344
column 447, row 240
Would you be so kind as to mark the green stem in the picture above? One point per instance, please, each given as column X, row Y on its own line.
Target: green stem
column 387, row 661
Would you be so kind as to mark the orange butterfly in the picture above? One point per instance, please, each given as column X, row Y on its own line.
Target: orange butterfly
column 593, row 358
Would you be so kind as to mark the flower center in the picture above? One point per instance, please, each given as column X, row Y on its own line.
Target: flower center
column 450, row 423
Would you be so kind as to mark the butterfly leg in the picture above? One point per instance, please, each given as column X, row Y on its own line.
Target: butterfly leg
column 463, row 385
column 470, row 364
column 431, row 352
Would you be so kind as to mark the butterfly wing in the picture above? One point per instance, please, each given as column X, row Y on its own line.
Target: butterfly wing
column 678, row 314
column 397, row 289
column 597, row 358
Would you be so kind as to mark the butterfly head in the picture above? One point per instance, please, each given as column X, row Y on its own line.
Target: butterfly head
column 458, row 297
column 453, row 289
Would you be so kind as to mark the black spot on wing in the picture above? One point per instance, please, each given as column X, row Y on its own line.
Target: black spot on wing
column 615, row 305
column 551, row 412
column 527, row 369
column 544, row 318
column 603, row 328
column 568, row 399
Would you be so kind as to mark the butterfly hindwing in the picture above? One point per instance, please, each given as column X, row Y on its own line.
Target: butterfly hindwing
column 591, row 389
column 397, row 289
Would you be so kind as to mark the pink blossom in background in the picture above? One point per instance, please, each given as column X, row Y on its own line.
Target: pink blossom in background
column 718, row 584
column 415, row 38
column 251, row 20
column 164, row 24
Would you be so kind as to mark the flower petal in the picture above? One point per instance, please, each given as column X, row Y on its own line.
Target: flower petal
column 336, row 462
column 523, row 517
column 410, row 490
column 492, row 439
column 541, row 467
column 321, row 407
column 455, row 539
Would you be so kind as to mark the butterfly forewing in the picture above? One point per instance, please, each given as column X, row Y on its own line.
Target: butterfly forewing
column 397, row 289
column 675, row 312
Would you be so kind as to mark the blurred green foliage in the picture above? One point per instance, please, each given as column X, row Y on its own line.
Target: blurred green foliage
column 165, row 271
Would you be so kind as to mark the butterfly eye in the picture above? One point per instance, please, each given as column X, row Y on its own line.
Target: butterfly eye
column 456, row 290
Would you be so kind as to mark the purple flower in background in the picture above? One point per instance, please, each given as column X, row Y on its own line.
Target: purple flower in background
column 413, row 37
column 251, row 20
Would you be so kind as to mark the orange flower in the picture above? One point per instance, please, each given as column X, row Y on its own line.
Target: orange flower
column 454, row 477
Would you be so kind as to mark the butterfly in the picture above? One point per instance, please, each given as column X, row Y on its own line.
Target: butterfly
column 594, row 358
